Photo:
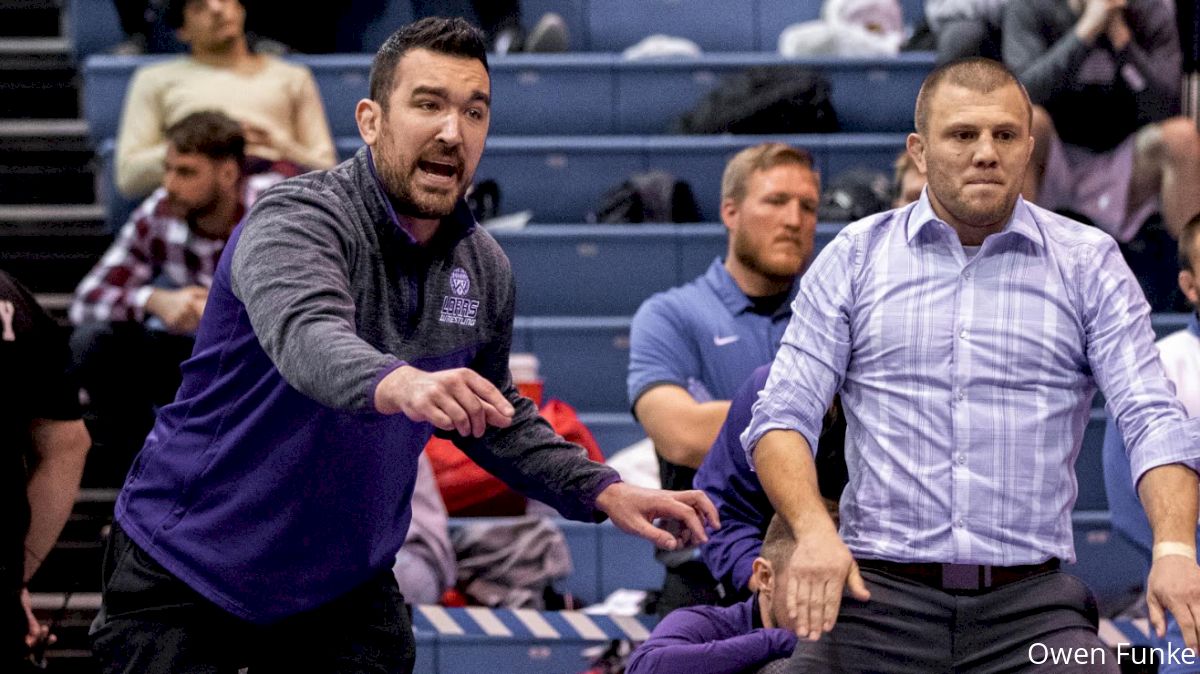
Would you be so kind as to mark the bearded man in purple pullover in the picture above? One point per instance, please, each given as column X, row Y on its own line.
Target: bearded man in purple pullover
column 351, row 314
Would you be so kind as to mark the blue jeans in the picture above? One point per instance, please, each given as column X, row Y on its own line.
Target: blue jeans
column 150, row 621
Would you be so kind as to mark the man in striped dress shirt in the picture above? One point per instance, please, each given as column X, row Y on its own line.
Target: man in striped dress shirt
column 967, row 334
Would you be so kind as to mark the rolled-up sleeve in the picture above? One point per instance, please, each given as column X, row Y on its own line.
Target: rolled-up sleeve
column 1126, row 365
column 814, row 353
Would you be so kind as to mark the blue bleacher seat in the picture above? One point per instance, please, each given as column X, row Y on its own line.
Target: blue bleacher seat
column 554, row 93
column 559, row 178
column 613, row 431
column 366, row 24
column 627, row 562
column 584, row 543
column 591, row 269
column 1089, row 466
column 1109, row 564
column 92, row 25
column 562, row 178
column 714, row 25
column 651, row 94
column 583, row 358
column 608, row 270
column 584, row 94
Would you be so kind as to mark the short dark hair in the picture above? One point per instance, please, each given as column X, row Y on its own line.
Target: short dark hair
column 976, row 73
column 450, row 36
column 210, row 133
column 173, row 14
column 1187, row 239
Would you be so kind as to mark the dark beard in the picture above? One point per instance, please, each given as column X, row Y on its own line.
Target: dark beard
column 404, row 201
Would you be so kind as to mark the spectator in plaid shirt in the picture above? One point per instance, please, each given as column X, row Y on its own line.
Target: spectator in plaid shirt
column 136, row 311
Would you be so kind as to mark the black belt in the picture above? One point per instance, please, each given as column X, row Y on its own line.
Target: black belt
column 959, row 578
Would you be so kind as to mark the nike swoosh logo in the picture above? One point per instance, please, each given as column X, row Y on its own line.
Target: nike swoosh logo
column 722, row 341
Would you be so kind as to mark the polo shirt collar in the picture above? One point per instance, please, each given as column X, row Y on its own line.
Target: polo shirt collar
column 726, row 289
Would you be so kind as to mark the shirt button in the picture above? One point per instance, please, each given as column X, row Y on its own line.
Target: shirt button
column 961, row 394
column 962, row 458
column 963, row 333
column 958, row 523
column 967, row 275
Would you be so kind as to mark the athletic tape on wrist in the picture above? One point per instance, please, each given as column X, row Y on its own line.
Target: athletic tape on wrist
column 1175, row 548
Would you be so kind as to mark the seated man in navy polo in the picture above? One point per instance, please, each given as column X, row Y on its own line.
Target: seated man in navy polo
column 691, row 347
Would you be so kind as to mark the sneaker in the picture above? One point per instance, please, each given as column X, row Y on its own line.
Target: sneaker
column 549, row 35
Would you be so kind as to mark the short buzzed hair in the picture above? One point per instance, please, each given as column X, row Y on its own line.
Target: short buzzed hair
column 778, row 543
column 759, row 158
column 1187, row 239
column 975, row 73
column 452, row 37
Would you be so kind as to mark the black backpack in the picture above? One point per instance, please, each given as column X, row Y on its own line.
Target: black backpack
column 656, row 196
column 764, row 100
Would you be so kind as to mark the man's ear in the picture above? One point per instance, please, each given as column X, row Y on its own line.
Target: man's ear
column 762, row 576
column 729, row 209
column 369, row 116
column 915, row 145
column 228, row 172
column 1187, row 283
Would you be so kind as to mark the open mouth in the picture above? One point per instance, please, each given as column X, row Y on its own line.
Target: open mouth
column 438, row 168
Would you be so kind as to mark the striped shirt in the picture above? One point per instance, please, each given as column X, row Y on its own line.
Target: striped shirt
column 155, row 249
column 967, row 383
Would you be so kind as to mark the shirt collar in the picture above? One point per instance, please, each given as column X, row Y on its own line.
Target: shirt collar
column 1021, row 222
column 727, row 290
column 461, row 219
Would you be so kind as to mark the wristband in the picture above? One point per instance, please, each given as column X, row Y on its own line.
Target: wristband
column 1174, row 548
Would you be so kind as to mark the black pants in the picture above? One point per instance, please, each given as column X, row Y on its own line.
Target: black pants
column 910, row 628
column 128, row 372
column 150, row 621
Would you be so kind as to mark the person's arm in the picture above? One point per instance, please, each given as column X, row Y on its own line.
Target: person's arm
column 734, row 489
column 58, row 439
column 141, row 145
column 681, row 428
column 1154, row 56
column 1163, row 445
column 291, row 269
column 663, row 363
column 691, row 641
column 60, row 448
column 118, row 287
column 1169, row 494
column 786, row 424
column 1040, row 65
column 313, row 145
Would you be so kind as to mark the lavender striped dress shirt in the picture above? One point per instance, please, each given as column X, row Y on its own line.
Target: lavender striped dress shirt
column 967, row 381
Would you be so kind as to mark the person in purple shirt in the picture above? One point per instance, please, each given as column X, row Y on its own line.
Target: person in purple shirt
column 724, row 640
column 354, row 313
column 741, row 503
